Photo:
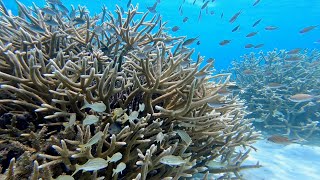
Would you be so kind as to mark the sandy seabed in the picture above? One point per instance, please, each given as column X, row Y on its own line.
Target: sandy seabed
column 281, row 162
column 284, row 162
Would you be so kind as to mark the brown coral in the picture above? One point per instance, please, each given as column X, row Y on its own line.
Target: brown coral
column 154, row 105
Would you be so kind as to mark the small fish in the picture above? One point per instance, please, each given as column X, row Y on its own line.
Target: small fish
column 115, row 157
column 258, row 120
column 152, row 9
column 141, row 55
column 172, row 160
column 307, row 29
column 294, row 51
column 256, row 2
column 249, row 46
column 128, row 4
column 141, row 107
column 224, row 92
column 159, row 137
column 121, row 10
column 205, row 5
column 233, row 88
column 184, row 136
column 114, row 128
column 92, row 165
column 199, row 17
column 51, row 22
column 212, row 12
column 133, row 115
column 317, row 41
column 92, row 140
column 201, row 75
column 63, row 8
column 120, row 167
column 221, row 16
column 216, row 104
column 79, row 20
column 215, row 164
column 54, row 1
column 133, row 34
column 185, row 19
column 72, row 13
column 97, row 106
column 293, row 58
column 48, row 11
column 258, row 46
column 210, row 60
column 90, row 119
column 37, row 28
column 271, row 28
column 147, row 48
column 224, row 42
column 251, row 34
column 198, row 43
column 235, row 29
column 194, row 2
column 189, row 41
column 98, row 30
column 234, row 17
column 175, row 28
column 64, row 177
column 301, row 98
column 274, row 85
column 180, row 7
column 118, row 112
column 72, row 121
column 278, row 139
column 256, row 23
column 248, row 72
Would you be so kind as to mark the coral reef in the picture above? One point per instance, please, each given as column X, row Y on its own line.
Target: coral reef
column 111, row 97
column 281, row 89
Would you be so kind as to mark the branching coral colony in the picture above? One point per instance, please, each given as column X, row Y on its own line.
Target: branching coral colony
column 281, row 89
column 111, row 97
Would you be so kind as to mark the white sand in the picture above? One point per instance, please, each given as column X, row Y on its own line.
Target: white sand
column 291, row 162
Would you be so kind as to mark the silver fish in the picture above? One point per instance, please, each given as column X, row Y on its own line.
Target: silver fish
column 93, row 140
column 120, row 167
column 63, row 8
column 51, row 22
column 189, row 41
column 90, row 119
column 37, row 28
column 115, row 157
column 48, row 11
column 172, row 160
column 64, row 177
column 92, row 165
column 97, row 106
column 301, row 98
column 184, row 136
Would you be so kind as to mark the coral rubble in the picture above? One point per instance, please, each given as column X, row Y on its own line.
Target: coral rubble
column 111, row 97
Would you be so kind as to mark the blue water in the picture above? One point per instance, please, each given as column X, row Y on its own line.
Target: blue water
column 289, row 15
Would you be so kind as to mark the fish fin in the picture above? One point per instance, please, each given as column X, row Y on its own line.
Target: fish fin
column 77, row 169
column 114, row 172
column 86, row 105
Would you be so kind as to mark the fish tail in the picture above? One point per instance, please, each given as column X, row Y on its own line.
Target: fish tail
column 86, row 105
column 77, row 169
column 113, row 172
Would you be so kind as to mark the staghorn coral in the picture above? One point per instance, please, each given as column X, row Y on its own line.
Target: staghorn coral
column 268, row 82
column 114, row 90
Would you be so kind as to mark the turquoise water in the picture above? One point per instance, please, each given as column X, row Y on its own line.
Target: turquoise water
column 290, row 16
